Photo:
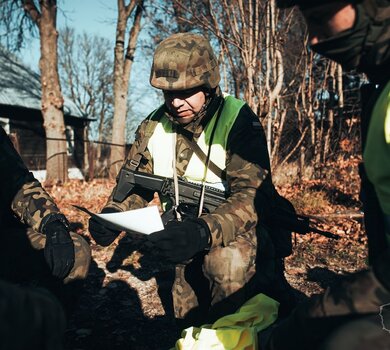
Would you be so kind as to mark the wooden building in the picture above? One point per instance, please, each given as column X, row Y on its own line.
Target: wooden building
column 20, row 116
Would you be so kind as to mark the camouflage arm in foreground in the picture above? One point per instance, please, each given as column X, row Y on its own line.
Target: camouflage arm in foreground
column 354, row 297
column 13, row 172
column 32, row 203
column 20, row 190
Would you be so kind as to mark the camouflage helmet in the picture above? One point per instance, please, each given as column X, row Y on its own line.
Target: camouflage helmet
column 184, row 61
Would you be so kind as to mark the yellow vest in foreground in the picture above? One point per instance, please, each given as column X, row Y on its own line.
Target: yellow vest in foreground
column 237, row 331
column 376, row 155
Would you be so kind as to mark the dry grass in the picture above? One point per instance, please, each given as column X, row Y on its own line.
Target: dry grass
column 120, row 307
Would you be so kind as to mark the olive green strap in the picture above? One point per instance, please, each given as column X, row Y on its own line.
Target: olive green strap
column 154, row 117
column 202, row 156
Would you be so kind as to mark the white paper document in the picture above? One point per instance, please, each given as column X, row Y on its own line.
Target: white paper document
column 145, row 220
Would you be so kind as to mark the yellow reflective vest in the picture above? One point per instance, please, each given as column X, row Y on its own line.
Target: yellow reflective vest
column 162, row 143
column 377, row 151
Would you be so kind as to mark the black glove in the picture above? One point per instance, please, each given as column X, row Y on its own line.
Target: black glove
column 101, row 234
column 59, row 247
column 180, row 241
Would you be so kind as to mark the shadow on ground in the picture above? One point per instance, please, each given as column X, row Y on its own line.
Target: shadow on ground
column 111, row 316
column 325, row 277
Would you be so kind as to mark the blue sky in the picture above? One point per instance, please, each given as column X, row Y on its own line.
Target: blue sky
column 99, row 17
column 90, row 16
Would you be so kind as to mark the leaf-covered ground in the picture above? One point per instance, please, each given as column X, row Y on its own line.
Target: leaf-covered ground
column 123, row 302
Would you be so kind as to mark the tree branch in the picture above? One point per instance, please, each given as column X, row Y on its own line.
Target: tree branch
column 32, row 10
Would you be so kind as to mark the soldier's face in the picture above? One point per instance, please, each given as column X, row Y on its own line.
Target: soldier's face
column 184, row 105
column 325, row 21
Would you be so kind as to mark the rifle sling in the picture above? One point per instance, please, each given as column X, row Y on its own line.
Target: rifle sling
column 151, row 125
column 133, row 163
column 202, row 156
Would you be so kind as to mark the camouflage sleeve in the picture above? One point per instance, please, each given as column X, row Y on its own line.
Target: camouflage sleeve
column 136, row 199
column 13, row 172
column 32, row 204
column 247, row 167
column 20, row 191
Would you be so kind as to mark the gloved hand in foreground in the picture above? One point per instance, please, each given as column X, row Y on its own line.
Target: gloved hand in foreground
column 101, row 234
column 59, row 247
column 181, row 240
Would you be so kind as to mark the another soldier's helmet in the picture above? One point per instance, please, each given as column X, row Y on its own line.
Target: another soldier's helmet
column 184, row 61
column 365, row 46
column 307, row 3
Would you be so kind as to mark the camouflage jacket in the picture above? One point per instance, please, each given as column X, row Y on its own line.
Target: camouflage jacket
column 247, row 173
column 21, row 194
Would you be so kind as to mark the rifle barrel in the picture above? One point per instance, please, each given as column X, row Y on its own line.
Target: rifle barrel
column 325, row 233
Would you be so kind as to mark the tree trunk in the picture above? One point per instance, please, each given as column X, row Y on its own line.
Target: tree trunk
column 301, row 164
column 329, row 130
column 340, row 91
column 278, row 135
column 122, row 67
column 52, row 100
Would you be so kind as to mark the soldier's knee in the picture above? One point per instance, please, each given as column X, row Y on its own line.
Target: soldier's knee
column 230, row 264
column 82, row 258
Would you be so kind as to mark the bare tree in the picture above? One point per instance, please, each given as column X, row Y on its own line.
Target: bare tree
column 85, row 64
column 249, row 48
column 27, row 14
column 122, row 67
column 264, row 59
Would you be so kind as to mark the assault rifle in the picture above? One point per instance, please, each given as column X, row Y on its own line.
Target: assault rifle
column 294, row 222
column 189, row 192
column 189, row 195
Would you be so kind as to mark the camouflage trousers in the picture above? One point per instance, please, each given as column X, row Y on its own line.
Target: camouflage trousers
column 335, row 318
column 30, row 318
column 213, row 284
column 21, row 256
column 367, row 333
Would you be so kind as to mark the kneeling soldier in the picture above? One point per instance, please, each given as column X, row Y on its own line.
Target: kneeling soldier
column 215, row 140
